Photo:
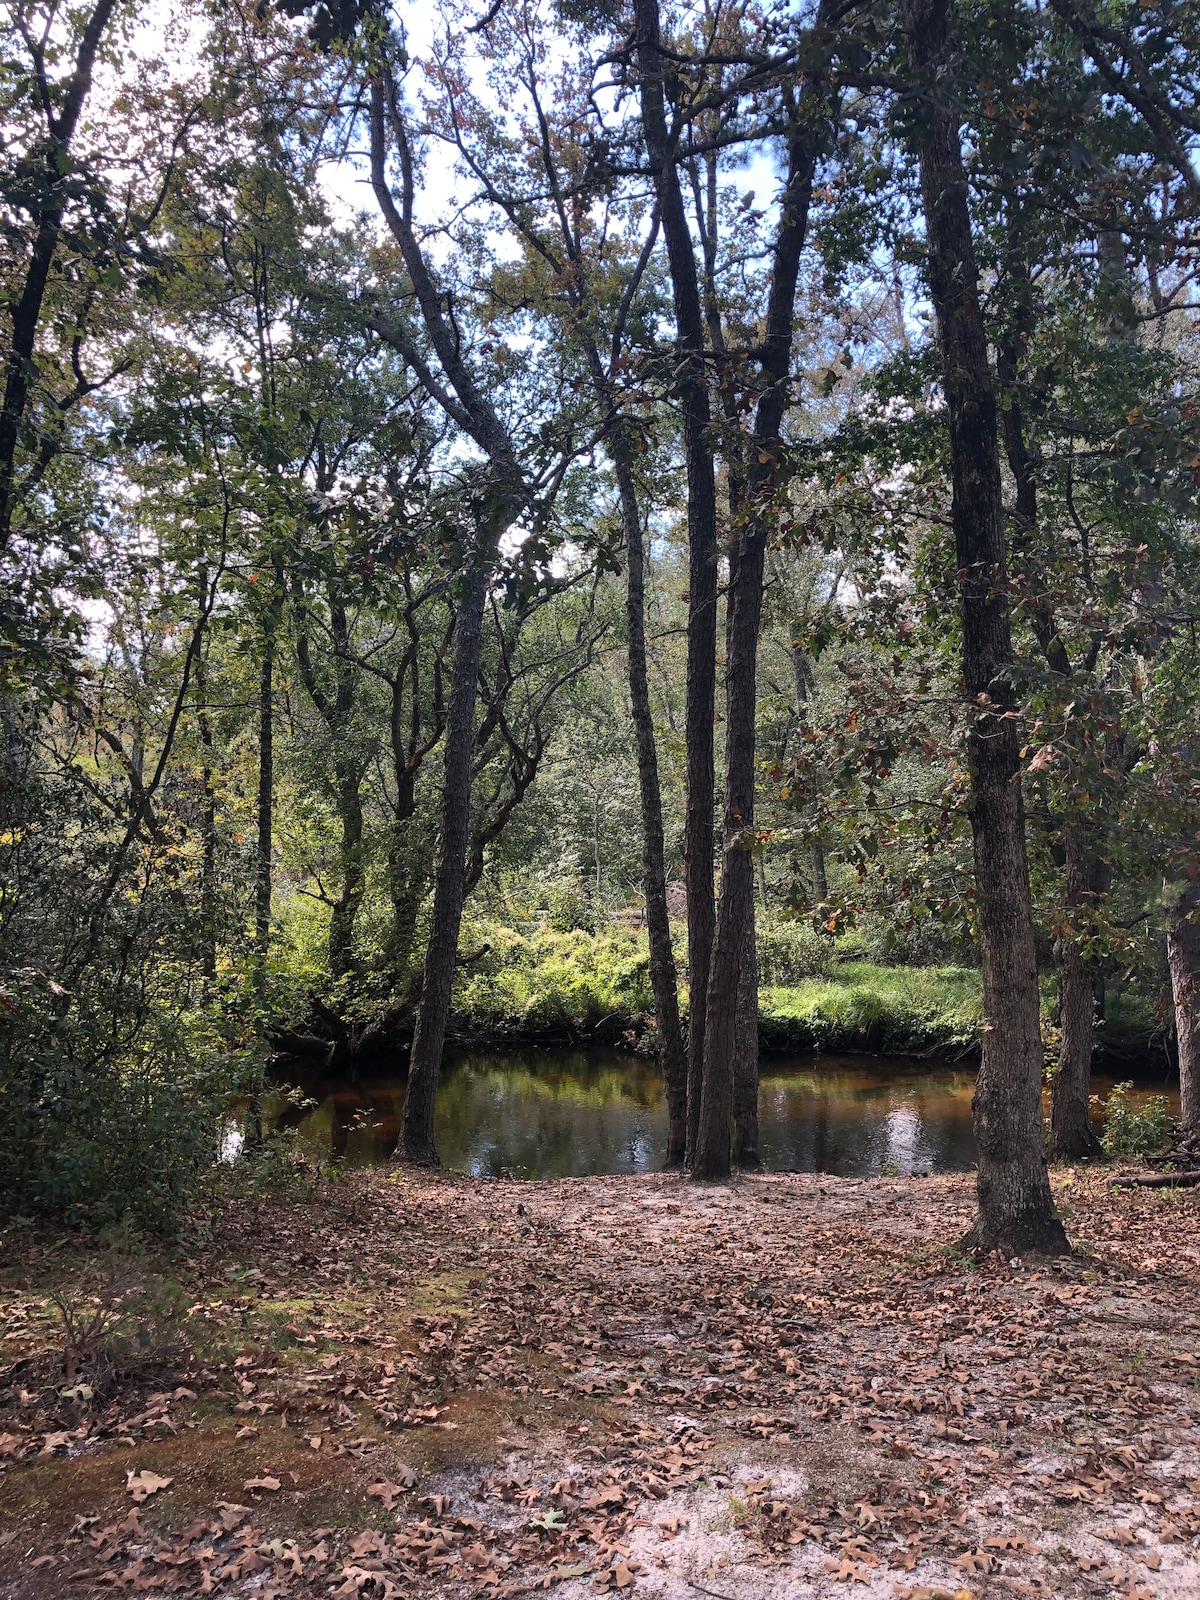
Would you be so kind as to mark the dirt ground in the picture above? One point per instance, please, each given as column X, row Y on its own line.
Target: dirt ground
column 406, row 1384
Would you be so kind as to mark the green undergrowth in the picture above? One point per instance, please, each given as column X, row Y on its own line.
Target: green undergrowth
column 858, row 1006
column 551, row 987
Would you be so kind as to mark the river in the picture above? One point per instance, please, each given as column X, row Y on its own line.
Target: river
column 558, row 1113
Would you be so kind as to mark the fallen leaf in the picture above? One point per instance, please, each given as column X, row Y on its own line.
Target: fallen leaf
column 847, row 1570
column 269, row 1484
column 385, row 1491
column 143, row 1484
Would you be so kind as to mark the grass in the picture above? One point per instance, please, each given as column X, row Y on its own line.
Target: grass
column 859, row 1006
column 578, row 988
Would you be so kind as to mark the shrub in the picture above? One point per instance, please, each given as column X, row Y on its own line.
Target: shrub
column 1132, row 1130
column 95, row 1128
column 789, row 952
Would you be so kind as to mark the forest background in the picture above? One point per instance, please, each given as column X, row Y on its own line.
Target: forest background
column 433, row 448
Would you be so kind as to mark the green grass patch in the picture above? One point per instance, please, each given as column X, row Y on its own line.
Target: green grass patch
column 550, row 987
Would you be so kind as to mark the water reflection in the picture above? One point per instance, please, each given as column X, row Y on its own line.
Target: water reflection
column 564, row 1113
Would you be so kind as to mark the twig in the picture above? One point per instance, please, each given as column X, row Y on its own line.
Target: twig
column 700, row 1589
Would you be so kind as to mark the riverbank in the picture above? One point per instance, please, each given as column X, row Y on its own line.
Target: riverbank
column 401, row 1383
column 578, row 988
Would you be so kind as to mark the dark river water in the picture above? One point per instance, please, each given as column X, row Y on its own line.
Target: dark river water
column 558, row 1113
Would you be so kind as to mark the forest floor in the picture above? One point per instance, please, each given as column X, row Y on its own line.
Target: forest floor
column 410, row 1384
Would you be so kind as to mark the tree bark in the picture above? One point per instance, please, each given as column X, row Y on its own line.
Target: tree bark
column 266, row 795
column 430, row 1036
column 664, row 981
column 208, row 832
column 745, row 1063
column 1016, row 1209
column 1071, row 1135
column 1183, row 959
column 344, row 913
column 692, row 389
column 735, row 911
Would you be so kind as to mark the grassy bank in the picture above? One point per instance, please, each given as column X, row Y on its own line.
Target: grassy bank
column 551, row 987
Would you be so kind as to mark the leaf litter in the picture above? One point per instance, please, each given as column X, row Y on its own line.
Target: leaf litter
column 789, row 1387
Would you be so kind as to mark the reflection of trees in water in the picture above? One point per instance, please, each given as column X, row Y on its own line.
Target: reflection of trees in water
column 361, row 1124
column 853, row 1122
column 574, row 1113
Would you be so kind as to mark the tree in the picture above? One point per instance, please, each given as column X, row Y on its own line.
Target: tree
column 1016, row 1210
column 754, row 511
column 499, row 496
column 655, row 73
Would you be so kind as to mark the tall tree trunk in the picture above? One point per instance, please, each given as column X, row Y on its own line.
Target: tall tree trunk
column 664, row 981
column 1071, row 1134
column 1016, row 1209
column 59, row 174
column 692, row 388
column 406, row 885
column 1183, row 958
column 499, row 503
column 735, row 911
column 266, row 795
column 208, row 832
column 745, row 1062
column 345, row 910
column 430, row 1036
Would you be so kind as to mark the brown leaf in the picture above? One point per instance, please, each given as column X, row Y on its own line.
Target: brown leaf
column 847, row 1570
column 145, row 1483
column 385, row 1491
column 269, row 1484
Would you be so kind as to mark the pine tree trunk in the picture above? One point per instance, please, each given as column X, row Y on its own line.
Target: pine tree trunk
column 1183, row 959
column 266, row 796
column 692, row 390
column 1071, row 1135
column 430, row 1036
column 745, row 1063
column 1016, row 1210
column 664, row 981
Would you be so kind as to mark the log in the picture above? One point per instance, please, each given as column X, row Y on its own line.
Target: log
column 1156, row 1180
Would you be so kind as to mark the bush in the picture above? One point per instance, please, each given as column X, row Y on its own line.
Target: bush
column 1132, row 1130
column 554, row 985
column 789, row 952
column 94, row 1129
